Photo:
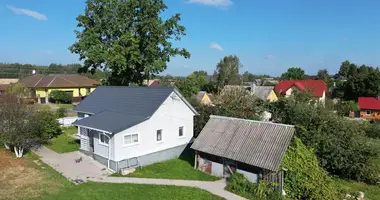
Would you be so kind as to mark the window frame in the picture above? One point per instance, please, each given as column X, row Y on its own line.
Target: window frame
column 162, row 136
column 105, row 136
column 366, row 112
column 183, row 131
column 132, row 143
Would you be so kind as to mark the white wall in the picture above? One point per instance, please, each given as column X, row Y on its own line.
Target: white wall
column 249, row 175
column 172, row 114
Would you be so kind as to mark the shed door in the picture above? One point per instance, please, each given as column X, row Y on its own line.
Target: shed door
column 229, row 167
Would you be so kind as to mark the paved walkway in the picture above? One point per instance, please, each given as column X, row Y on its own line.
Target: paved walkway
column 91, row 170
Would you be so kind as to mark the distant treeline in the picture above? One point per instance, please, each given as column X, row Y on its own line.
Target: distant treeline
column 17, row 70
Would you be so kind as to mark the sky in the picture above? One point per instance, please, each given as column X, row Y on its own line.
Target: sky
column 268, row 36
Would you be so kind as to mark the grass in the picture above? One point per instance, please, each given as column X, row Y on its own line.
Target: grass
column 100, row 191
column 65, row 142
column 371, row 192
column 178, row 168
column 29, row 178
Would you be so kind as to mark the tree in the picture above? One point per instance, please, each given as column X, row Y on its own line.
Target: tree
column 128, row 38
column 294, row 73
column 201, row 78
column 366, row 85
column 20, row 125
column 187, row 86
column 59, row 96
column 227, row 71
column 18, row 90
column 61, row 112
column 344, row 68
column 323, row 75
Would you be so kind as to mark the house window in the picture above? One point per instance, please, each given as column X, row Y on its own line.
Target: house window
column 159, row 135
column 103, row 139
column 368, row 112
column 131, row 139
column 180, row 132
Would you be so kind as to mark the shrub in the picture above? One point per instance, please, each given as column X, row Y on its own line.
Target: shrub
column 58, row 96
column 62, row 112
column 238, row 184
column 303, row 178
column 46, row 124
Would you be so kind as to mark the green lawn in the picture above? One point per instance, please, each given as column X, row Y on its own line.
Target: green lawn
column 371, row 192
column 28, row 178
column 178, row 168
column 100, row 191
column 64, row 142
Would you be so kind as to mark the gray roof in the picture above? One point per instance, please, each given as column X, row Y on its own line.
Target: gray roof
column 262, row 92
column 116, row 108
column 260, row 144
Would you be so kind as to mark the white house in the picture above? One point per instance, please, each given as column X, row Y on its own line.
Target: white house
column 125, row 127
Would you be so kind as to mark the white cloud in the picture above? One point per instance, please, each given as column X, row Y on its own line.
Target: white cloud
column 216, row 46
column 216, row 3
column 270, row 57
column 30, row 13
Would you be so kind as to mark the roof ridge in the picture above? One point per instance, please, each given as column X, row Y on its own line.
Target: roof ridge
column 51, row 81
column 248, row 120
column 38, row 81
column 66, row 79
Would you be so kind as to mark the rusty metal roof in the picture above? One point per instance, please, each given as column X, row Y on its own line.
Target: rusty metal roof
column 257, row 143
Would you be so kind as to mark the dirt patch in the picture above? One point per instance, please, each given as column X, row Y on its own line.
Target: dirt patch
column 20, row 178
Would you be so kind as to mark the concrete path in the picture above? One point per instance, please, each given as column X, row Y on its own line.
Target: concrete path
column 91, row 170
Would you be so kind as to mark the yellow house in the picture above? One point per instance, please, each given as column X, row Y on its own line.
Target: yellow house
column 203, row 98
column 41, row 86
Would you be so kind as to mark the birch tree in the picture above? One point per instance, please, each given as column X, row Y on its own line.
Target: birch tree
column 16, row 131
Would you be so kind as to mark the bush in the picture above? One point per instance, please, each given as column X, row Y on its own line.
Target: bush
column 238, row 184
column 62, row 112
column 303, row 178
column 58, row 96
column 46, row 124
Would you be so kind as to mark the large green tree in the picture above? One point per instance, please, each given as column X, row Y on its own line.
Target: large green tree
column 127, row 38
column 294, row 73
column 227, row 71
column 323, row 75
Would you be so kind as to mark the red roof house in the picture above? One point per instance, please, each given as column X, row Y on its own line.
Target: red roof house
column 369, row 103
column 369, row 107
column 317, row 88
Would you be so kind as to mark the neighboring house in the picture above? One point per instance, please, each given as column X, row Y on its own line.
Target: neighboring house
column 253, row 148
column 317, row 88
column 265, row 93
column 369, row 107
column 41, row 86
column 126, row 127
column 203, row 98
column 152, row 83
column 6, row 82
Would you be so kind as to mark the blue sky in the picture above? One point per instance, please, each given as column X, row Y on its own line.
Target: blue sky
column 269, row 36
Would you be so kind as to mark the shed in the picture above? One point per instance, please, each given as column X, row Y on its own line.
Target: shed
column 253, row 148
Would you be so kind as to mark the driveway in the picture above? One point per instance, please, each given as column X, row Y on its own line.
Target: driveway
column 65, row 164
